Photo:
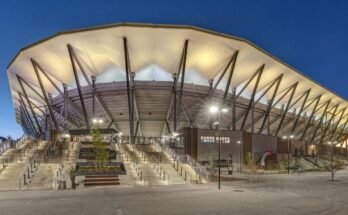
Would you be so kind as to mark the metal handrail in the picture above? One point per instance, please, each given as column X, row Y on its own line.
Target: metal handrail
column 196, row 166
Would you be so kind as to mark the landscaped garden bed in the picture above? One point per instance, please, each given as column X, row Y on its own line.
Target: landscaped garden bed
column 104, row 169
column 89, row 154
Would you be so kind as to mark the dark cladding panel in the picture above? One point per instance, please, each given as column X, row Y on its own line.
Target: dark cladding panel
column 190, row 142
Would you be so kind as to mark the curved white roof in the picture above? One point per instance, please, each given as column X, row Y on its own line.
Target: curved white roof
column 155, row 52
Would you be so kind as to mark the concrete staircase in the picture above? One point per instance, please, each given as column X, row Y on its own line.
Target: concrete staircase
column 162, row 164
column 44, row 177
column 92, row 181
column 12, row 176
column 183, row 169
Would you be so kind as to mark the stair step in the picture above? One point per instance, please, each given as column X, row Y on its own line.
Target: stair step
column 100, row 176
column 101, row 184
column 101, row 179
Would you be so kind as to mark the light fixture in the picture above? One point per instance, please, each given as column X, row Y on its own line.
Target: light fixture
column 213, row 109
column 175, row 134
column 94, row 120
column 284, row 137
column 239, row 142
column 120, row 134
column 100, row 121
column 292, row 136
column 224, row 110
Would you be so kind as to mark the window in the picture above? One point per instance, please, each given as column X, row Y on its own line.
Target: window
column 212, row 139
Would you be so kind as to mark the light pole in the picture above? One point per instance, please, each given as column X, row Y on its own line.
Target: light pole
column 216, row 109
column 288, row 138
column 240, row 155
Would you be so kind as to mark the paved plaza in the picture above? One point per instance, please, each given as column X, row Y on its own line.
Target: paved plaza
column 306, row 193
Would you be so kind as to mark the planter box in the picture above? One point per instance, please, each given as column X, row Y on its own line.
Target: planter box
column 88, row 154
column 90, row 168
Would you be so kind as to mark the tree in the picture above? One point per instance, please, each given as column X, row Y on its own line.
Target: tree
column 100, row 149
column 250, row 161
column 334, row 165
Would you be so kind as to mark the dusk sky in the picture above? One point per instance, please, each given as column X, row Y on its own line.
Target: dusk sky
column 311, row 36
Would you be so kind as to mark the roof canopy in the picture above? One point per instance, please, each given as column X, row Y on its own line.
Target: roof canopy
column 154, row 52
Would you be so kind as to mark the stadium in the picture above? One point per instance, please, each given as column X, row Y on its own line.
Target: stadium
column 189, row 94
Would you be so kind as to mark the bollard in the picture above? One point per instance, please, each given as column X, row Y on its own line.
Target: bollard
column 28, row 173
column 19, row 183
column 185, row 176
column 25, row 179
column 181, row 171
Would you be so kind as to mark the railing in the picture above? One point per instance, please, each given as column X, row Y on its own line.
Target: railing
column 199, row 169
column 4, row 146
column 28, row 172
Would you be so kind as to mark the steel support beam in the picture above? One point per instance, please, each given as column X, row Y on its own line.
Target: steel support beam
column 233, row 103
column 229, row 79
column 135, row 104
column 66, row 97
column 175, row 102
column 250, row 80
column 269, row 107
column 28, row 115
column 166, row 120
column 53, row 117
column 316, row 100
column 129, row 93
column 231, row 61
column 29, row 121
column 328, row 124
column 251, row 101
column 76, row 109
column 98, row 97
column 286, row 108
column 79, row 90
column 300, row 111
column 343, row 128
column 93, row 96
column 182, row 70
column 337, row 123
column 25, row 122
column 41, row 97
column 320, row 121
column 30, row 106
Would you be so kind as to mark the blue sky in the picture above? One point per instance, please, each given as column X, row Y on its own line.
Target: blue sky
column 311, row 35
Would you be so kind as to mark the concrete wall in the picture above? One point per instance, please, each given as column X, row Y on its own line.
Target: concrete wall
column 263, row 143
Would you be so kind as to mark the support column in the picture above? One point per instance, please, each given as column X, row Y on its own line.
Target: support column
column 93, row 96
column 174, row 103
column 53, row 117
column 252, row 117
column 269, row 119
column 234, row 109
column 211, row 81
column 66, row 97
